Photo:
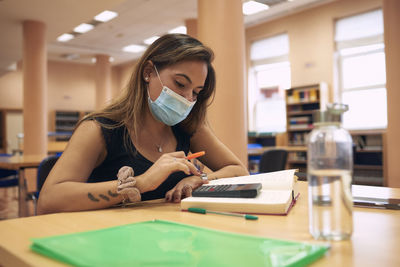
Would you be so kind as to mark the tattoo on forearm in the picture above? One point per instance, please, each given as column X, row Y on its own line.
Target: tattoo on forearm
column 104, row 197
column 111, row 194
column 92, row 198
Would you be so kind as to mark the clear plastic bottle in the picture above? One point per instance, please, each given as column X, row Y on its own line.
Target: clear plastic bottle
column 329, row 173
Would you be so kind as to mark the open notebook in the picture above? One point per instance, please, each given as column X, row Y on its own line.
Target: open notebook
column 165, row 243
column 278, row 194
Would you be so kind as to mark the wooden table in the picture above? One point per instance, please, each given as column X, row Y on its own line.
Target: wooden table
column 20, row 163
column 53, row 147
column 259, row 151
column 375, row 241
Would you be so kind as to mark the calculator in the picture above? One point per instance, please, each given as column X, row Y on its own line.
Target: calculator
column 228, row 190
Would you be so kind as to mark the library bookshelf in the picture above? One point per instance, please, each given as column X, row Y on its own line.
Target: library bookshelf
column 301, row 102
column 65, row 122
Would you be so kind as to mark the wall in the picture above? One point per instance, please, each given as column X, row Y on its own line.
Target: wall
column 121, row 76
column 11, row 89
column 71, row 86
column 311, row 37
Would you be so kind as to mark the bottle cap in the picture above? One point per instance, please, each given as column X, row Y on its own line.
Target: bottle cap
column 332, row 114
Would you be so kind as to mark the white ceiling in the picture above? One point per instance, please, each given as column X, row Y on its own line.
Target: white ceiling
column 137, row 20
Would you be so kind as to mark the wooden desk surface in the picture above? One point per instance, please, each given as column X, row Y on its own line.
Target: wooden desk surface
column 58, row 146
column 52, row 147
column 17, row 162
column 375, row 241
column 259, row 151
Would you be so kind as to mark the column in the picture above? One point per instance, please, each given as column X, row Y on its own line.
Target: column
column 35, row 88
column 391, row 11
column 221, row 27
column 103, row 80
column 191, row 27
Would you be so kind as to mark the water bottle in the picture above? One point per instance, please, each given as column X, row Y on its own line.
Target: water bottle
column 329, row 174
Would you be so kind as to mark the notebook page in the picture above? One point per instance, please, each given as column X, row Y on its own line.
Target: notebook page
column 279, row 180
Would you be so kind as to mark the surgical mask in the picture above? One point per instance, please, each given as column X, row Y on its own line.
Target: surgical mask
column 169, row 107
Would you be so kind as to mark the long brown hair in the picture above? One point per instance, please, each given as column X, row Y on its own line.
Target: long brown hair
column 129, row 108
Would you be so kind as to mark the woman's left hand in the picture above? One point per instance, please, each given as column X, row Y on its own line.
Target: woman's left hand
column 184, row 188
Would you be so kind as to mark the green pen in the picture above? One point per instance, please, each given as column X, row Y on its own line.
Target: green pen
column 204, row 211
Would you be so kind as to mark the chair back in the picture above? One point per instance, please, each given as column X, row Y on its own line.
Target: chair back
column 44, row 169
column 273, row 160
column 8, row 178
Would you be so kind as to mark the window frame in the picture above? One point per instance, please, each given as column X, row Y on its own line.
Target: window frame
column 339, row 59
column 252, row 80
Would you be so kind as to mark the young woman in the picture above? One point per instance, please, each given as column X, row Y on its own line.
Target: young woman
column 136, row 147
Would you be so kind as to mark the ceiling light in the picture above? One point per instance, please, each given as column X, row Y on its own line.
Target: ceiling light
column 151, row 40
column 65, row 37
column 12, row 67
column 84, row 27
column 134, row 48
column 180, row 29
column 253, row 7
column 106, row 16
column 70, row 56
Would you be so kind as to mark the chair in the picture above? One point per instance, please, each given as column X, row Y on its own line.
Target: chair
column 8, row 178
column 273, row 160
column 43, row 171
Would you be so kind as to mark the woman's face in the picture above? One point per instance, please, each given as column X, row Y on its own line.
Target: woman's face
column 185, row 78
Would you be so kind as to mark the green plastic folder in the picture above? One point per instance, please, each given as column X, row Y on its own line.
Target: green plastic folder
column 165, row 243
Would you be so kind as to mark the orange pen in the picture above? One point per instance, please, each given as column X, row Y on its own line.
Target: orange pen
column 195, row 155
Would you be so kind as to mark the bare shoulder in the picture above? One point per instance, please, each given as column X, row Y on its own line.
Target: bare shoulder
column 205, row 137
column 89, row 125
column 87, row 142
column 216, row 152
column 87, row 131
column 203, row 131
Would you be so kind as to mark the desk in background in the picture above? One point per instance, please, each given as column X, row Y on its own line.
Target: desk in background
column 259, row 151
column 53, row 147
column 296, row 158
column 375, row 240
column 20, row 163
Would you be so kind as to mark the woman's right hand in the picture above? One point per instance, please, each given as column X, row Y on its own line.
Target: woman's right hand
column 167, row 164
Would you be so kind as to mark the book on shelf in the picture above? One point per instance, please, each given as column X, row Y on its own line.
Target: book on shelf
column 277, row 195
column 298, row 139
column 302, row 119
column 302, row 126
column 303, row 96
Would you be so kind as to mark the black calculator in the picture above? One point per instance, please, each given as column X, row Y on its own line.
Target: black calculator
column 228, row 190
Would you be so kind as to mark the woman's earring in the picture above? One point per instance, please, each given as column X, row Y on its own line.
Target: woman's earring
column 146, row 79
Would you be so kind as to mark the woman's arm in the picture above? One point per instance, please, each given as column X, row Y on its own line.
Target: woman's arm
column 218, row 157
column 65, row 188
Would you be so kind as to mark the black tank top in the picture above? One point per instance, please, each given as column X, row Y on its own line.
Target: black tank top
column 118, row 155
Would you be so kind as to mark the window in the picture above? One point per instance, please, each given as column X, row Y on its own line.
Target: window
column 269, row 75
column 361, row 70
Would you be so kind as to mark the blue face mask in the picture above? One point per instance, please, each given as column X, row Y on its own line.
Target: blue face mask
column 170, row 107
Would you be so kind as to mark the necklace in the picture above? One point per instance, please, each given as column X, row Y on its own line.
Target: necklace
column 159, row 148
column 162, row 141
